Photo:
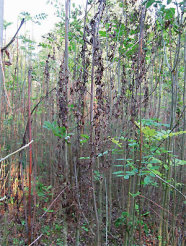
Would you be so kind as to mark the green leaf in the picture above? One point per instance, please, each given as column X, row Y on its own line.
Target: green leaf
column 169, row 13
column 85, row 136
column 149, row 132
column 48, row 211
column 169, row 1
column 151, row 167
column 154, row 160
column 56, row 130
column 166, row 166
column 118, row 172
column 121, row 5
column 116, row 142
column 102, row 154
column 179, row 162
column 133, row 172
column 126, row 176
column 132, row 144
column 134, row 195
column 84, row 158
column 147, row 180
column 165, row 134
column 149, row 3
column 103, row 33
column 83, row 141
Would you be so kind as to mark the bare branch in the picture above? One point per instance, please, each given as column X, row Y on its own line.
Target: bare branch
column 2, row 199
column 25, row 146
column 12, row 40
column 36, row 240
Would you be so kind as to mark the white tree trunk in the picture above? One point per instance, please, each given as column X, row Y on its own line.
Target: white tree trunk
column 1, row 21
column 1, row 43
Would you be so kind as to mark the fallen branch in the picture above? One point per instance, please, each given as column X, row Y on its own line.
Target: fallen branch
column 25, row 146
column 53, row 202
column 156, row 204
column 36, row 240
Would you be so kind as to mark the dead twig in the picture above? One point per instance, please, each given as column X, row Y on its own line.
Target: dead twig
column 36, row 240
column 13, row 38
column 25, row 146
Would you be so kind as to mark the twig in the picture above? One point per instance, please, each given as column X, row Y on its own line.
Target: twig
column 35, row 107
column 25, row 146
column 53, row 202
column 156, row 204
column 2, row 199
column 164, row 181
column 158, row 214
column 36, row 240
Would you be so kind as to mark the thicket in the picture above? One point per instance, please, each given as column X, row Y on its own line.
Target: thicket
column 103, row 99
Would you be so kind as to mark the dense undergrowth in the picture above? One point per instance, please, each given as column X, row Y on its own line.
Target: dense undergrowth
column 107, row 119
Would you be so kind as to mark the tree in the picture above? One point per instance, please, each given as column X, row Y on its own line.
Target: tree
column 108, row 152
column 1, row 44
column 1, row 21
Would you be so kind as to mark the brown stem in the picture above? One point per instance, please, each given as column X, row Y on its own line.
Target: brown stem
column 30, row 158
column 12, row 40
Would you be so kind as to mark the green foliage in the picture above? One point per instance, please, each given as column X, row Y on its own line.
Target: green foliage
column 151, row 162
column 115, row 141
column 84, row 138
column 122, row 220
column 179, row 162
column 44, row 45
column 98, row 176
column 103, row 34
column 39, row 17
column 169, row 13
column 48, row 211
column 117, row 47
column 6, row 24
column 43, row 192
column 125, row 220
column 153, row 122
column 158, row 135
column 85, row 227
column 147, row 180
column 56, row 130
column 17, row 241
column 84, row 158
column 165, row 134
column 102, row 154
column 149, row 3
column 134, row 195
column 46, row 230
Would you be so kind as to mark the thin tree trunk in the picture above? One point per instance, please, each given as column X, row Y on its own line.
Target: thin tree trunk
column 66, row 168
column 1, row 44
column 30, row 161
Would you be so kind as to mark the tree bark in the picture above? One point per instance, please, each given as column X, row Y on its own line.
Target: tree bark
column 1, row 44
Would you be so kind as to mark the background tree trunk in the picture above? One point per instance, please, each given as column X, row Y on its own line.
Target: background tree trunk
column 1, row 44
